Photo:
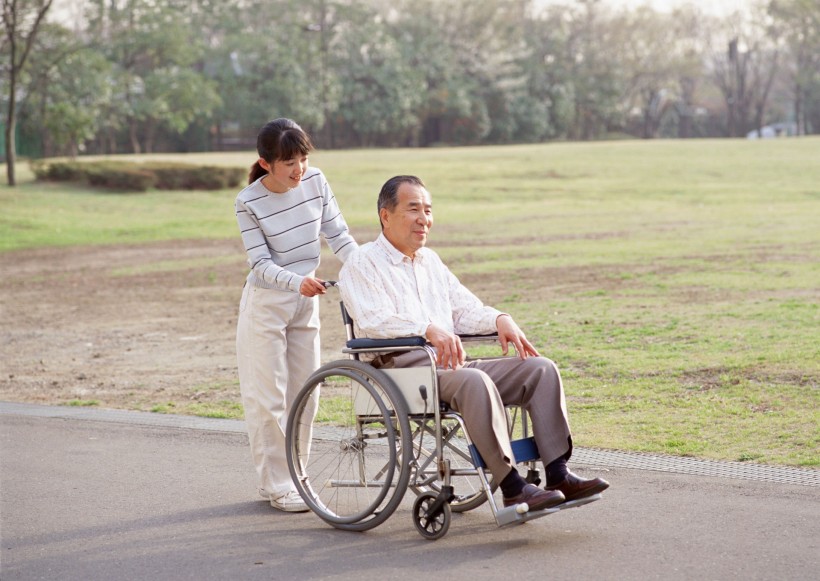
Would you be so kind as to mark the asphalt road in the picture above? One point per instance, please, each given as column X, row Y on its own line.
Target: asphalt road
column 92, row 500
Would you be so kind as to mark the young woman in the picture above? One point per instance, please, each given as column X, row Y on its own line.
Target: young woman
column 282, row 214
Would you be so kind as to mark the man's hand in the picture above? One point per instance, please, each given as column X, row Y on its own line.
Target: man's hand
column 509, row 332
column 449, row 351
column 311, row 287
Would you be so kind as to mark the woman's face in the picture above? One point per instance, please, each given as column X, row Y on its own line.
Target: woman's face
column 284, row 175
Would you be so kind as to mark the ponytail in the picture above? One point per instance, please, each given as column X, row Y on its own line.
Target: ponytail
column 257, row 171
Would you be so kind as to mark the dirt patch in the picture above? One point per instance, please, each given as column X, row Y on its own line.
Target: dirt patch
column 128, row 326
column 136, row 326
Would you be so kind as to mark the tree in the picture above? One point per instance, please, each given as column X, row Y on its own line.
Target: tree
column 21, row 21
column 152, row 49
column 67, row 92
column 597, row 79
column 744, row 71
column 688, row 29
column 269, row 62
column 379, row 96
column 798, row 23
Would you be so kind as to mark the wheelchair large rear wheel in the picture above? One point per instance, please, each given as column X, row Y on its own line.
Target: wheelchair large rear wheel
column 348, row 445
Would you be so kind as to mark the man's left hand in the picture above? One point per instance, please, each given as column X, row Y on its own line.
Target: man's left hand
column 510, row 332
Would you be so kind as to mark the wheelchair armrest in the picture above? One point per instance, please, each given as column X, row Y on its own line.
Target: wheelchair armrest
column 386, row 343
column 478, row 338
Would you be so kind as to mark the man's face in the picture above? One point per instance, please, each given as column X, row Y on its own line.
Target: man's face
column 406, row 227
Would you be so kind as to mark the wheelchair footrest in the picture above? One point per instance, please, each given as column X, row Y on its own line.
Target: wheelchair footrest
column 524, row 450
column 509, row 515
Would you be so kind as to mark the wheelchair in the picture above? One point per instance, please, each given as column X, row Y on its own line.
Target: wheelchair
column 359, row 437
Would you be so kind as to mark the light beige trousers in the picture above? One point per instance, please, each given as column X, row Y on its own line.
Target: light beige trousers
column 277, row 346
column 480, row 390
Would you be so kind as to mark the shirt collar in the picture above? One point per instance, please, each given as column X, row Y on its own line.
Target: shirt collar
column 394, row 254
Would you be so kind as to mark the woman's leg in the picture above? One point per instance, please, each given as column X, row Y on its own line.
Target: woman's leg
column 263, row 380
column 303, row 358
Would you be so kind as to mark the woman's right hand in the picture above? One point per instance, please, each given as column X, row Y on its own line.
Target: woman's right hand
column 312, row 286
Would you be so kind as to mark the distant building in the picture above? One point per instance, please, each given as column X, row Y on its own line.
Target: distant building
column 787, row 129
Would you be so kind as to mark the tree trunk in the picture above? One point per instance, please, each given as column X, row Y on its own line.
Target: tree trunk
column 132, row 135
column 798, row 109
column 11, row 123
column 150, row 133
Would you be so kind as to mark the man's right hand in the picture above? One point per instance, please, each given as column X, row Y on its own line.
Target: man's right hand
column 449, row 351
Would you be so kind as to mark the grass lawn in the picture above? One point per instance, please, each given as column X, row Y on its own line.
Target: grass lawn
column 676, row 283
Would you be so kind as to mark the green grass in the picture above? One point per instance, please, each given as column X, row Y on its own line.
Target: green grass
column 223, row 409
column 82, row 403
column 676, row 283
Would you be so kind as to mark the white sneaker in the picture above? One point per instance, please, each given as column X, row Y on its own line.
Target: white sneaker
column 289, row 502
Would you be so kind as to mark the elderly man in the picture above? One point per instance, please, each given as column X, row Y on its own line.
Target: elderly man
column 395, row 287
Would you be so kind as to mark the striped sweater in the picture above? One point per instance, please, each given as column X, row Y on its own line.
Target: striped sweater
column 281, row 231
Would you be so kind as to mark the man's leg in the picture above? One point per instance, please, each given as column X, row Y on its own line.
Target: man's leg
column 471, row 393
column 535, row 384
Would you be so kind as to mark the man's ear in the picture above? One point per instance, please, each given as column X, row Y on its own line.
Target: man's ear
column 384, row 216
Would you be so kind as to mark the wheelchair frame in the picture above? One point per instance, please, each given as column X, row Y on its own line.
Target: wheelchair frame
column 359, row 479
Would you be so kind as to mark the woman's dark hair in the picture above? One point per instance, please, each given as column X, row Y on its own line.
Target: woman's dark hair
column 389, row 196
column 278, row 140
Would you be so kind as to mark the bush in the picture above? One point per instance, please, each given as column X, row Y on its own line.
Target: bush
column 138, row 177
column 122, row 177
column 62, row 171
column 178, row 176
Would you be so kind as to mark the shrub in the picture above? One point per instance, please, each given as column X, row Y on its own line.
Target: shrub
column 62, row 171
column 138, row 177
column 179, row 176
column 119, row 176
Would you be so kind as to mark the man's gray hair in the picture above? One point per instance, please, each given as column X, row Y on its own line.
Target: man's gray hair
column 389, row 196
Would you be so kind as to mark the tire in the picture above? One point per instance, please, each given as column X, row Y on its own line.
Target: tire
column 435, row 527
column 348, row 445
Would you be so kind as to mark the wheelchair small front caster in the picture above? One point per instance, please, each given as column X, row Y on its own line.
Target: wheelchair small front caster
column 431, row 525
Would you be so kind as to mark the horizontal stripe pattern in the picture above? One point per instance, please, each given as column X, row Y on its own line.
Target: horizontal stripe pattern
column 282, row 232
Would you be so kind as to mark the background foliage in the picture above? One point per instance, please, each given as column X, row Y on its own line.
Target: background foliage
column 192, row 75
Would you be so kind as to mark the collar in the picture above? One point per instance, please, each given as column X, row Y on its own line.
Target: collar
column 393, row 254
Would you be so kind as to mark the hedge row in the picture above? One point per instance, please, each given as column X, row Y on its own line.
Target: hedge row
column 138, row 177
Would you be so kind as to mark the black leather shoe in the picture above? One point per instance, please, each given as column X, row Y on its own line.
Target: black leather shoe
column 575, row 487
column 536, row 498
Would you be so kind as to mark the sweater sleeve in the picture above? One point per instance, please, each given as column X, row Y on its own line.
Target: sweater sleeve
column 334, row 228
column 259, row 257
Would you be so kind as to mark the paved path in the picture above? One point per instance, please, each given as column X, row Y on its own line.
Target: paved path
column 101, row 495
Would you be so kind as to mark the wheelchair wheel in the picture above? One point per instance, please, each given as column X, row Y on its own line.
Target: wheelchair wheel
column 349, row 449
column 435, row 526
column 469, row 492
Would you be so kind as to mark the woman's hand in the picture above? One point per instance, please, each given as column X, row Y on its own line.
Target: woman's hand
column 312, row 286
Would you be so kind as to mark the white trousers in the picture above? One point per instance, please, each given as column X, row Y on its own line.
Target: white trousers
column 277, row 346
